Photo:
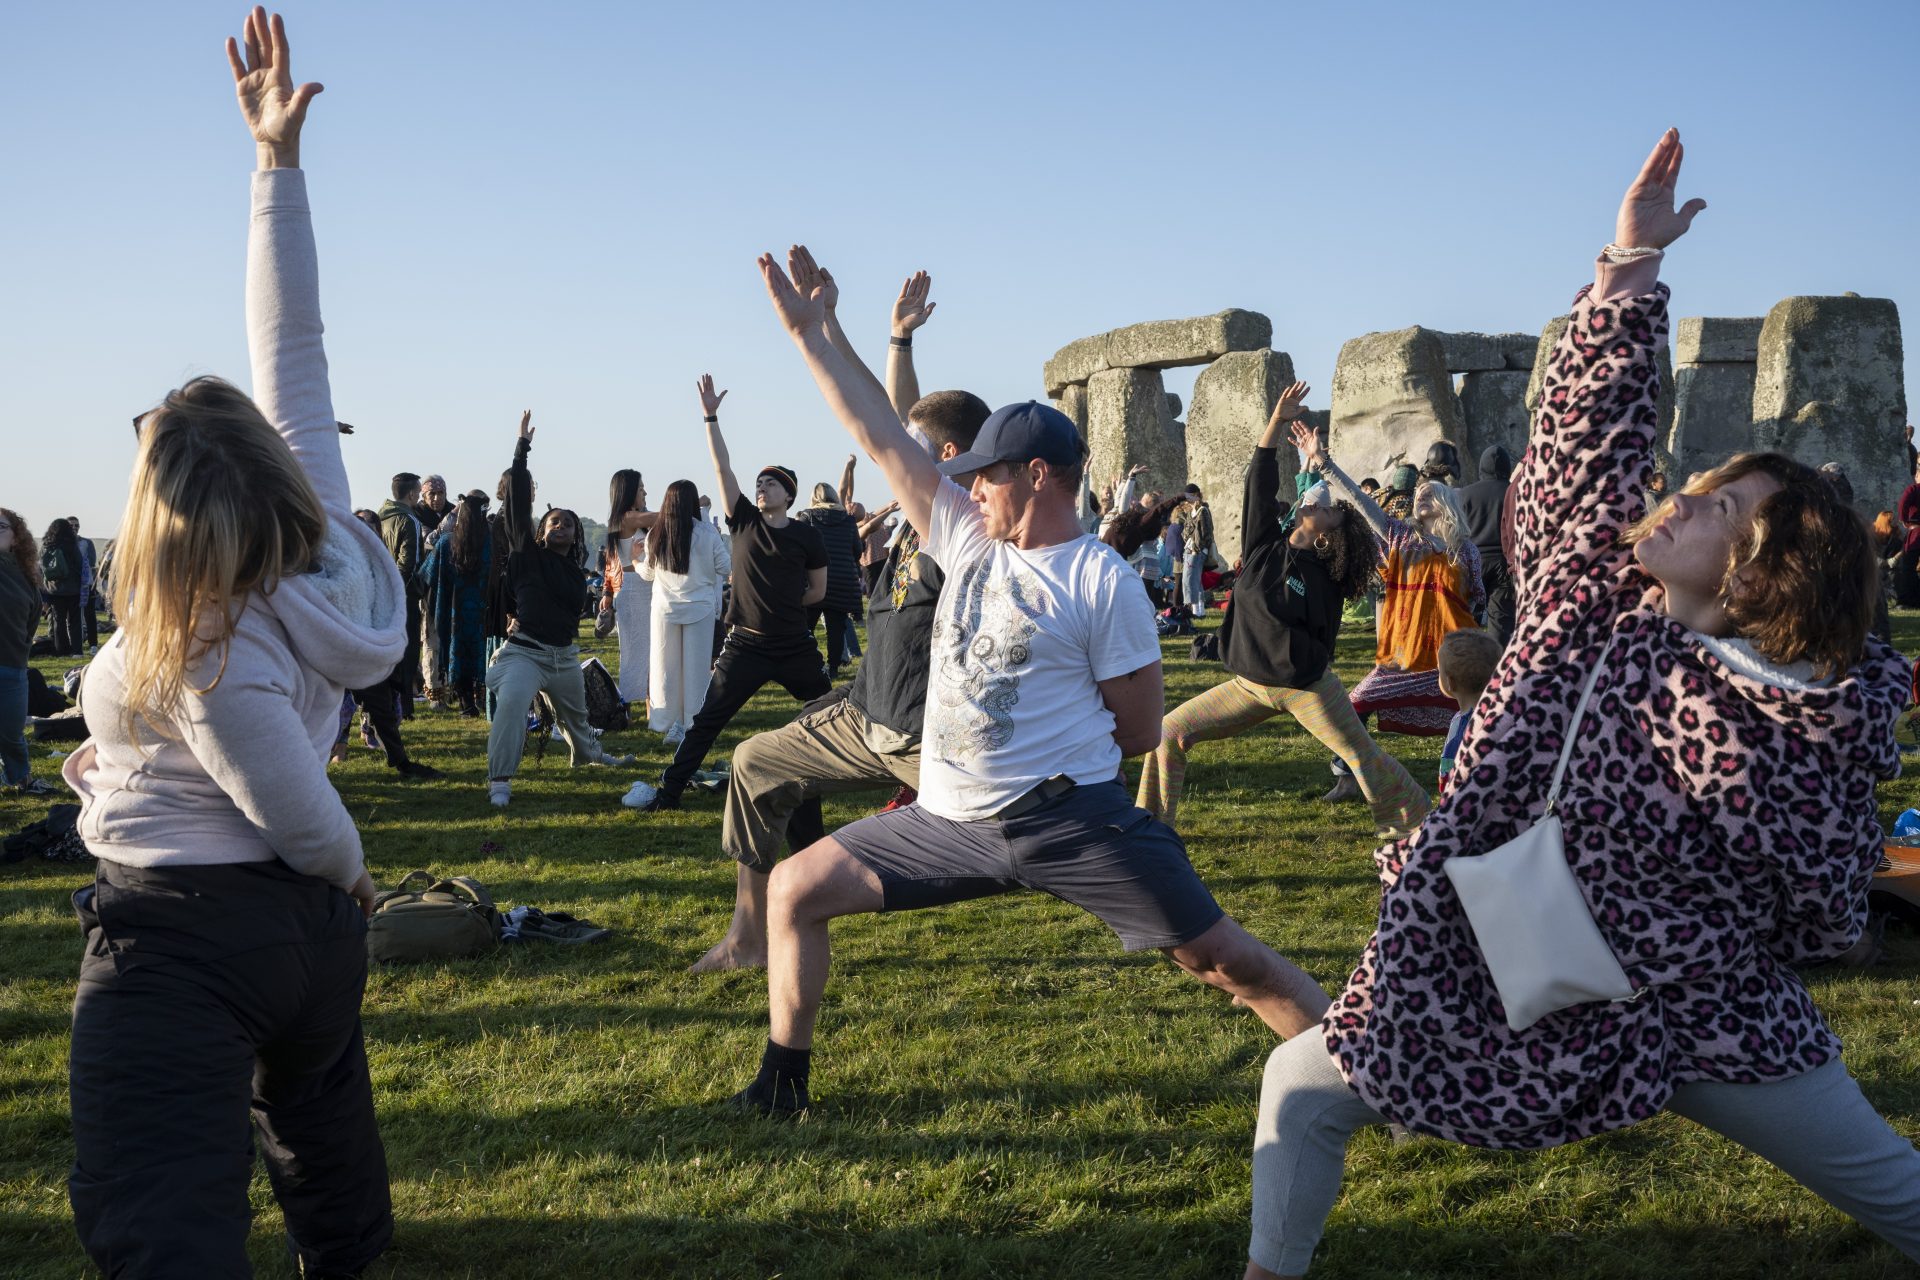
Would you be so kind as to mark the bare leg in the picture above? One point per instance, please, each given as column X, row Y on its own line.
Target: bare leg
column 745, row 946
column 806, row 891
column 1257, row 976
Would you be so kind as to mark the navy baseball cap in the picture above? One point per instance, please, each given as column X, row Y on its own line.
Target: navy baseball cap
column 1020, row 433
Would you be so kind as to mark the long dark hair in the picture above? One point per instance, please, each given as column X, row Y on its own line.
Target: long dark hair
column 623, row 495
column 470, row 532
column 60, row 535
column 1350, row 553
column 25, row 550
column 1134, row 529
column 670, row 541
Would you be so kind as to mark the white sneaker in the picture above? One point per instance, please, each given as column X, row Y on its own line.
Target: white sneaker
column 676, row 734
column 498, row 793
column 639, row 795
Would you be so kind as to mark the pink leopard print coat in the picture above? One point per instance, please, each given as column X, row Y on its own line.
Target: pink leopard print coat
column 1722, row 828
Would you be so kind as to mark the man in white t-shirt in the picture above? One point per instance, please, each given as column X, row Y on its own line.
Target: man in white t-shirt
column 1045, row 675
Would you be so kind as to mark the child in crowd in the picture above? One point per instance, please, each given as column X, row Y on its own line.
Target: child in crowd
column 1467, row 659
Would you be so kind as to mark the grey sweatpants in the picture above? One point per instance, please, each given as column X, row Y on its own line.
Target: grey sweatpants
column 1818, row 1128
column 519, row 670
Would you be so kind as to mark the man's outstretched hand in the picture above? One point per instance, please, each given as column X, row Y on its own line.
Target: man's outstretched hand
column 709, row 401
column 1647, row 218
column 800, row 313
column 263, row 81
column 809, row 277
column 911, row 309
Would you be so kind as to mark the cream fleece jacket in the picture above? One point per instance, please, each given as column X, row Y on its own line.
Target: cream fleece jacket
column 243, row 776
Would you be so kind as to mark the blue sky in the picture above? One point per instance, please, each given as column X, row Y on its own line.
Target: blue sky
column 558, row 206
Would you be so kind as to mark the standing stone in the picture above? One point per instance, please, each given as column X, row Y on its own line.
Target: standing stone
column 1232, row 400
column 1128, row 423
column 1173, row 405
column 1493, row 405
column 1391, row 395
column 1542, row 354
column 1072, row 401
column 1828, row 387
column 1713, row 391
column 1158, row 344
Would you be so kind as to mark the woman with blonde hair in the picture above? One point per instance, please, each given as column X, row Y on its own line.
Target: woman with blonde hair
column 19, row 619
column 219, row 993
column 1430, row 584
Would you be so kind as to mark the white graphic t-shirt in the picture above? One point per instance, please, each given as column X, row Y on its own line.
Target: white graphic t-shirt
column 1020, row 639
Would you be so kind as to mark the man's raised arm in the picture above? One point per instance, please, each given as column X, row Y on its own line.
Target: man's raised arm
column 717, row 443
column 910, row 310
column 855, row 397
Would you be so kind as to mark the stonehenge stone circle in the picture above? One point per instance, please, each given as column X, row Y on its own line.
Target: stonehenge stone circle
column 1072, row 401
column 1392, row 394
column 1128, row 423
column 1487, row 352
column 1829, row 387
column 1232, row 400
column 1493, row 405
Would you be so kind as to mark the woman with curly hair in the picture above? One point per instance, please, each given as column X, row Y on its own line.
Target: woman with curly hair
column 1277, row 640
column 19, row 619
column 1430, row 585
column 547, row 577
column 62, row 577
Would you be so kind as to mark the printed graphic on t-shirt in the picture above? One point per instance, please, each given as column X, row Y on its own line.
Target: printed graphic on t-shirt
column 981, row 647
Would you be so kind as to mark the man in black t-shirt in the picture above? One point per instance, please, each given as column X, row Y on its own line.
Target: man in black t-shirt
column 779, row 568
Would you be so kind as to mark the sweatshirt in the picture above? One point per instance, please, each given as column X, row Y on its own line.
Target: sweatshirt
column 1284, row 614
column 241, row 775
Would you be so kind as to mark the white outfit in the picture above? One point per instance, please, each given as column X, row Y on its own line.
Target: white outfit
column 633, row 616
column 1021, row 640
column 684, row 605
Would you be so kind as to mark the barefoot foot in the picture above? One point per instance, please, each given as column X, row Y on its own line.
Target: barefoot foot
column 727, row 954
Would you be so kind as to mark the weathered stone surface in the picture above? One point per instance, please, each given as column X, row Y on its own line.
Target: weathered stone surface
column 1128, row 423
column 1391, row 395
column 1828, row 387
column 1173, row 405
column 1487, row 352
column 1493, row 407
column 1158, row 344
column 1232, row 400
column 1717, row 339
column 1713, row 415
column 1549, row 339
column 1072, row 401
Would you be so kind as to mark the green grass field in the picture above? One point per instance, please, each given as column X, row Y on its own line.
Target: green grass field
column 1000, row 1091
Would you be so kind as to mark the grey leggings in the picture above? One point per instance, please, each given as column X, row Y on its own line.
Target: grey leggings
column 1818, row 1128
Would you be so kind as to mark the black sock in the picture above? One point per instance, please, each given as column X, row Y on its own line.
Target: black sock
column 781, row 1065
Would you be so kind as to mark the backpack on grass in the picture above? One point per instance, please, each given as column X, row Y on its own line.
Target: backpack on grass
column 438, row 920
column 606, row 710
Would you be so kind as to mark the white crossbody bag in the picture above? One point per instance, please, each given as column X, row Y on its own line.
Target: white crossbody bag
column 1532, row 924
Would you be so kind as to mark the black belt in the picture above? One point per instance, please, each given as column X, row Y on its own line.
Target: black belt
column 525, row 642
column 1051, row 789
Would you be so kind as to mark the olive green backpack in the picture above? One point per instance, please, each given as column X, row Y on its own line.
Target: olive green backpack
column 434, row 920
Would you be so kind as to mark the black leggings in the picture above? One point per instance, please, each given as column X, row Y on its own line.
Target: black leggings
column 65, row 629
column 838, row 620
column 747, row 663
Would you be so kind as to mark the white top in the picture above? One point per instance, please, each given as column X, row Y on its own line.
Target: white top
column 1020, row 641
column 695, row 594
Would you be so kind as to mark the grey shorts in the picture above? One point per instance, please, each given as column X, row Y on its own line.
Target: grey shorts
column 1090, row 847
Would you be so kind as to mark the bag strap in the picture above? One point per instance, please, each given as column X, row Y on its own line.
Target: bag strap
column 1573, row 725
column 468, row 886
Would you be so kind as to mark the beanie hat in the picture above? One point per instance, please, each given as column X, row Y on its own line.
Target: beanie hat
column 786, row 477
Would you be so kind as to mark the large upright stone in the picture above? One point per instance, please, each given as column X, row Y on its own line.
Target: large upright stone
column 1158, row 344
column 1232, row 400
column 1493, row 405
column 1828, row 388
column 1487, row 352
column 1128, row 423
column 1550, row 336
column 1713, row 390
column 1391, row 396
column 1072, row 401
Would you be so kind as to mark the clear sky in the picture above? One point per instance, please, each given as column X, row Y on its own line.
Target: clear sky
column 557, row 206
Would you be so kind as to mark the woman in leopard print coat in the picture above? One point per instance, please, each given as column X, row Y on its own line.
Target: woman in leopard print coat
column 1719, row 810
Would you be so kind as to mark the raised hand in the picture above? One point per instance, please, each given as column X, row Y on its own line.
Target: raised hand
column 911, row 309
column 810, row 278
column 800, row 312
column 1138, row 469
column 1292, row 403
column 1647, row 218
column 1306, row 441
column 526, row 425
column 709, row 402
column 263, row 81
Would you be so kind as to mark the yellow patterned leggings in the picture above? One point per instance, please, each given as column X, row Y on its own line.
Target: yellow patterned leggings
column 1322, row 708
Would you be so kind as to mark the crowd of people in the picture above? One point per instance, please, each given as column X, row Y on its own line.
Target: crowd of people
column 1712, row 649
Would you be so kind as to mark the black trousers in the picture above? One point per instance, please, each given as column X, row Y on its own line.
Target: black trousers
column 90, row 617
column 407, row 676
column 839, row 621
column 1498, row 580
column 747, row 664
column 216, row 1002
column 382, row 703
column 65, row 628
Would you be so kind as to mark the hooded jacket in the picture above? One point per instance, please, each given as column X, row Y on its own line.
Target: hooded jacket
column 1719, row 812
column 240, row 773
column 1284, row 614
column 1482, row 500
column 841, row 533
